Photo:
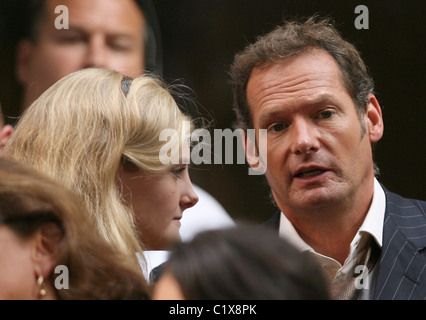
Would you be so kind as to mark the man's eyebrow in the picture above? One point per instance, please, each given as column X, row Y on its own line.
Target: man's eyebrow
column 279, row 112
column 326, row 98
column 79, row 29
column 265, row 117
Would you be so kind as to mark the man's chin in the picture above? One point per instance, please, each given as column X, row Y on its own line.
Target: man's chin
column 315, row 198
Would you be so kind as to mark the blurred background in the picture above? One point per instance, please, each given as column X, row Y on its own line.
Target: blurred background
column 199, row 39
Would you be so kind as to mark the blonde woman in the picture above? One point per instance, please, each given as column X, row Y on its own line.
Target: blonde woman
column 98, row 133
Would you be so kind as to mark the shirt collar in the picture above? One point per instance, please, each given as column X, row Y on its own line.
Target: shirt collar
column 288, row 232
column 373, row 222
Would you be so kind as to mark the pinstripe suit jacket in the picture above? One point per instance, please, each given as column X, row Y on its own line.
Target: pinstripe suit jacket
column 402, row 266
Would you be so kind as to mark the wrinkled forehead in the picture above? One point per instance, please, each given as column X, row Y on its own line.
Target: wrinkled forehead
column 314, row 71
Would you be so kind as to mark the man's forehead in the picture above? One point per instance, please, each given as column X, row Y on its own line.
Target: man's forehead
column 311, row 67
column 118, row 16
column 306, row 80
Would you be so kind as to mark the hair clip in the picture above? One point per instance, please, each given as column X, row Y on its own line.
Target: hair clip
column 125, row 85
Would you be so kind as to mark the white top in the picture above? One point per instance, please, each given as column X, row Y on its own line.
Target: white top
column 373, row 225
column 153, row 258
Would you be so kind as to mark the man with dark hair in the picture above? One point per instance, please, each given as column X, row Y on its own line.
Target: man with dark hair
column 311, row 92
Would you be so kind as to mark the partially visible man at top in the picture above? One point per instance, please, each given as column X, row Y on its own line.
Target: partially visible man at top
column 311, row 92
column 102, row 33
column 120, row 35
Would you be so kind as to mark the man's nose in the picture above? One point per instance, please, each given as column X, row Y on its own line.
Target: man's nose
column 304, row 137
column 96, row 55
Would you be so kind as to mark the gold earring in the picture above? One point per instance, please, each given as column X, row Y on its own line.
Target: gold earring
column 41, row 285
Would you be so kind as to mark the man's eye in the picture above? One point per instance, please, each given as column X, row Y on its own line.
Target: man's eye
column 325, row 114
column 277, row 127
column 119, row 47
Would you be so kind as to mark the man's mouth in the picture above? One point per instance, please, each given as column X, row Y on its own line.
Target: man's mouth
column 309, row 173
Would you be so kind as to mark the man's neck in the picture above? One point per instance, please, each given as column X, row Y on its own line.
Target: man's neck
column 330, row 230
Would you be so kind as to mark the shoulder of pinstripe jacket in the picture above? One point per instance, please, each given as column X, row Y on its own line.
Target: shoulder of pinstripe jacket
column 402, row 265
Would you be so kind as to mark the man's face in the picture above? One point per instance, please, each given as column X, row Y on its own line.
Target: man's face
column 317, row 155
column 102, row 33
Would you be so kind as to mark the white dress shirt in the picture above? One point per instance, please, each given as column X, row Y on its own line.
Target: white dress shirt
column 372, row 226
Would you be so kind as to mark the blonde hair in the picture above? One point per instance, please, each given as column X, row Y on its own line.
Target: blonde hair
column 84, row 126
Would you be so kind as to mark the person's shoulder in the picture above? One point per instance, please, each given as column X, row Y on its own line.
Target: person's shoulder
column 403, row 203
column 408, row 216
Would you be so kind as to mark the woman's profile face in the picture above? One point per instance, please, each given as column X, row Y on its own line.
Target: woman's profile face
column 158, row 202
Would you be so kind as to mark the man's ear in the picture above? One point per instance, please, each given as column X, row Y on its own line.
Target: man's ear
column 5, row 134
column 256, row 163
column 24, row 53
column 374, row 119
column 44, row 249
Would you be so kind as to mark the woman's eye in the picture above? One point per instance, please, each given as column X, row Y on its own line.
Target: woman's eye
column 177, row 171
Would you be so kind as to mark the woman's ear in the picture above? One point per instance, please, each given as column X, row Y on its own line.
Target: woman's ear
column 44, row 249
column 374, row 119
